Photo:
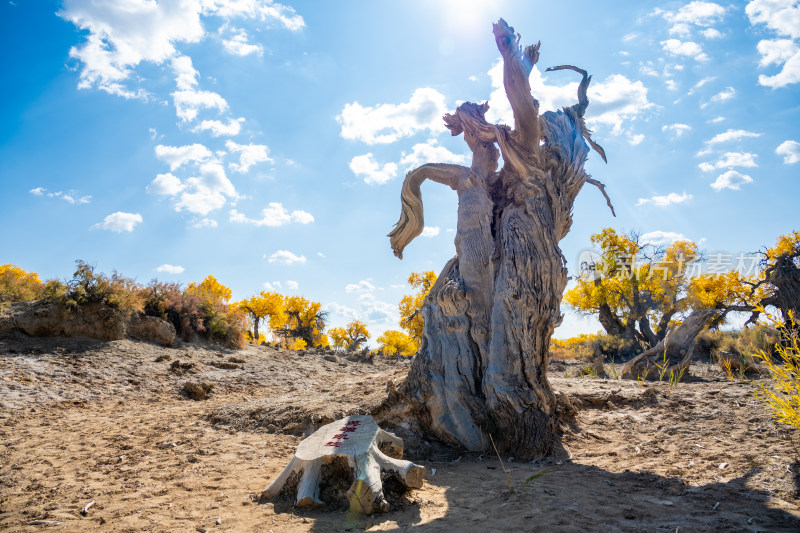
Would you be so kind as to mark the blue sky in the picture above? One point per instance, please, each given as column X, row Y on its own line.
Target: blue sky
column 266, row 143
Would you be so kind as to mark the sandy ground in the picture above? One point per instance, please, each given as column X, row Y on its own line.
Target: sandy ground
column 86, row 421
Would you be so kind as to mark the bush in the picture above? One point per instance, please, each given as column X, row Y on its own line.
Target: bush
column 87, row 288
column 784, row 396
column 589, row 347
column 742, row 344
column 195, row 314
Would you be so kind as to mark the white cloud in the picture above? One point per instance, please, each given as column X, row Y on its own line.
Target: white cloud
column 613, row 101
column 711, row 33
column 119, row 222
column 633, row 140
column 790, row 150
column 430, row 231
column 170, row 269
column 286, row 257
column 121, row 35
column 185, row 73
column 386, row 123
column 201, row 201
column 345, row 314
column 663, row 201
column 727, row 136
column 684, row 48
column 177, row 156
column 661, row 237
column 716, row 120
column 783, row 18
column 375, row 310
column 274, row 215
column 677, row 128
column 219, row 128
column 165, row 184
column 367, row 167
column 273, row 286
column 725, row 94
column 731, row 160
column 189, row 102
column 69, row 197
column 430, row 152
column 292, row 285
column 264, row 10
column 700, row 83
column 732, row 135
column 697, row 12
column 239, row 46
column 205, row 223
column 249, row 155
column 361, row 286
column 731, row 180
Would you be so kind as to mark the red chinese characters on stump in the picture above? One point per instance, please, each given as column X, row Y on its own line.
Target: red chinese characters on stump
column 349, row 427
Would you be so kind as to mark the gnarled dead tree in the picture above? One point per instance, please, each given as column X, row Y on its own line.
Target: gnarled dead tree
column 482, row 367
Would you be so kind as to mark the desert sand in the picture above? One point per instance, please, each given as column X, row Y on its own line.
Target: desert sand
column 108, row 422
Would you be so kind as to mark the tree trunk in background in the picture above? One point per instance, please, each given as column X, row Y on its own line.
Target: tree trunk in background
column 482, row 367
column 673, row 353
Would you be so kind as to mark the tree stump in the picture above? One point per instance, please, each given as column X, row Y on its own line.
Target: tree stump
column 357, row 439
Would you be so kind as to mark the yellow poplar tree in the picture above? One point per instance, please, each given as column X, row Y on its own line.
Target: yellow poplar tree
column 356, row 334
column 339, row 337
column 17, row 285
column 411, row 304
column 264, row 305
column 396, row 342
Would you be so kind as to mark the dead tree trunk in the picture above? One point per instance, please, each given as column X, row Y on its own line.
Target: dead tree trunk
column 673, row 353
column 482, row 367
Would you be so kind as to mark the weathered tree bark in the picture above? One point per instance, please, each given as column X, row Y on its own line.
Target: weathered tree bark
column 673, row 353
column 482, row 367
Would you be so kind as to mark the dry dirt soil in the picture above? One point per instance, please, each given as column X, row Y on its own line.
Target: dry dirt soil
column 107, row 422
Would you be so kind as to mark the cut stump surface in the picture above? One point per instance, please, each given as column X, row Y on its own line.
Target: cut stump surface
column 356, row 438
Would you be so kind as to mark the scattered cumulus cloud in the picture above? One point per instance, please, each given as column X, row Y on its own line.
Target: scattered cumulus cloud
column 664, row 201
column 238, row 45
column 292, row 285
column 165, row 184
column 249, row 155
column 790, row 150
column 188, row 103
column 782, row 17
column 691, row 49
column 633, row 140
column 217, row 128
column 731, row 180
column 430, row 231
column 360, row 287
column 205, row 223
column 731, row 160
column 677, row 128
column 71, row 197
column 725, row 94
column 613, row 102
column 367, row 166
column 177, row 156
column 119, row 222
column 430, row 152
column 122, row 35
column 658, row 238
column 386, row 123
column 286, row 257
column 725, row 137
column 274, row 215
column 170, row 269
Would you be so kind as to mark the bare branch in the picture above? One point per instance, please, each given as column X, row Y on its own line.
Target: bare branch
column 602, row 188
